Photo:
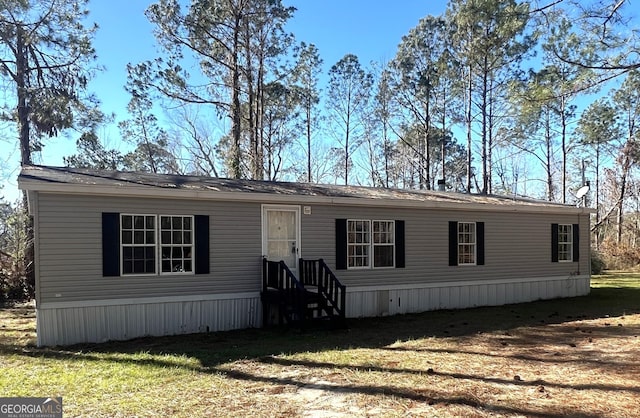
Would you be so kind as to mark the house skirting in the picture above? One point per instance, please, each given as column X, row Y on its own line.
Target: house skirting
column 366, row 302
column 99, row 321
column 64, row 323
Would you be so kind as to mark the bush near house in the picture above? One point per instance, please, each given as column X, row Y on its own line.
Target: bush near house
column 13, row 284
column 615, row 256
column 597, row 262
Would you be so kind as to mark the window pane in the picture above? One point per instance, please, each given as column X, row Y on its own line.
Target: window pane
column 150, row 237
column 187, row 265
column 127, row 267
column 383, row 256
column 166, row 265
column 176, row 252
column 177, row 237
column 151, row 222
column 138, row 252
column 150, row 266
column 127, row 222
column 177, row 222
column 187, row 222
column 138, row 237
column 165, row 222
column 186, row 238
column 280, row 249
column 138, row 222
column 166, row 237
column 127, row 237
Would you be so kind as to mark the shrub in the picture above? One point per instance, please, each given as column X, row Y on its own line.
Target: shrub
column 619, row 256
column 597, row 262
column 13, row 284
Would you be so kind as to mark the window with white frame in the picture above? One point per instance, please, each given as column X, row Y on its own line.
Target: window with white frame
column 370, row 244
column 466, row 243
column 565, row 242
column 176, row 244
column 152, row 243
column 358, row 243
column 138, row 239
column 383, row 243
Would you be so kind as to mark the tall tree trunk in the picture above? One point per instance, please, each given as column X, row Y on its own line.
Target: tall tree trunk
column 346, row 140
column 626, row 162
column 22, row 64
column 490, row 139
column 252, row 104
column 22, row 67
column 259, row 121
column 443, row 122
column 547, row 134
column 386, row 151
column 563, row 120
column 308, row 106
column 427, row 140
column 236, row 111
column 485, row 174
column 597, row 195
column 623, row 186
column 469, row 104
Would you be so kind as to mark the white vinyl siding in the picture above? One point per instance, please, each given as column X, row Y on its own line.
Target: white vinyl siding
column 70, row 226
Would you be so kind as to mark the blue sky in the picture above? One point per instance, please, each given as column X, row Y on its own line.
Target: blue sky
column 369, row 29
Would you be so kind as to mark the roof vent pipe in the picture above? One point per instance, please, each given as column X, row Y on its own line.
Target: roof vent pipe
column 441, row 185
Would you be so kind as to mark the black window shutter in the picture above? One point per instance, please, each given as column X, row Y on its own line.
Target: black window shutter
column 576, row 242
column 554, row 243
column 399, row 244
column 480, row 243
column 201, row 241
column 341, row 244
column 110, row 244
column 453, row 243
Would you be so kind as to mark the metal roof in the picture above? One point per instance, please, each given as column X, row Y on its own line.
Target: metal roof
column 105, row 182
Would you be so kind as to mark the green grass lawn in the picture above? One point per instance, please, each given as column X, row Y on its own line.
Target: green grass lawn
column 576, row 357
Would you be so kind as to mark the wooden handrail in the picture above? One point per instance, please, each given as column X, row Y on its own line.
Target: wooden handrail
column 277, row 275
column 317, row 273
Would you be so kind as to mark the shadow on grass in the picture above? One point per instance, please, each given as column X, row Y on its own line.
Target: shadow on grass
column 222, row 347
column 431, row 372
column 428, row 396
column 545, row 322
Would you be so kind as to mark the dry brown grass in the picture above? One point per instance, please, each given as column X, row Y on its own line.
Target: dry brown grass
column 575, row 357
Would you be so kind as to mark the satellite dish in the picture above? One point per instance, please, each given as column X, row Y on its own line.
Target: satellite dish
column 582, row 191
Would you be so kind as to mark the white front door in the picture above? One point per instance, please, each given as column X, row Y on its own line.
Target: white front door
column 281, row 234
